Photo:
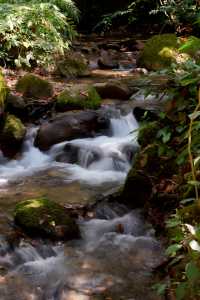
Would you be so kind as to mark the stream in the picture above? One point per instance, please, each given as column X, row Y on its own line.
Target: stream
column 107, row 263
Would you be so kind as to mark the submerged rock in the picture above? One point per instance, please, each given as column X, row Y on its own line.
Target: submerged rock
column 158, row 51
column 33, row 86
column 12, row 136
column 70, row 125
column 78, row 97
column 46, row 218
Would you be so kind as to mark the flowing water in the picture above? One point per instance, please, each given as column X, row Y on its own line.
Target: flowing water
column 118, row 250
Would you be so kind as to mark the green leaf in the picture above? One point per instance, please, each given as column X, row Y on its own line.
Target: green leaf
column 181, row 290
column 172, row 249
column 192, row 272
column 160, row 288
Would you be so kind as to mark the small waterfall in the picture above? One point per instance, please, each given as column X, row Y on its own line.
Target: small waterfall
column 106, row 260
column 95, row 160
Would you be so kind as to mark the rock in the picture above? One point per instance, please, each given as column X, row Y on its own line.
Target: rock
column 42, row 217
column 74, row 64
column 70, row 125
column 108, row 60
column 137, row 189
column 113, row 90
column 12, row 136
column 3, row 96
column 73, row 154
column 16, row 105
column 78, row 96
column 32, row 86
column 159, row 51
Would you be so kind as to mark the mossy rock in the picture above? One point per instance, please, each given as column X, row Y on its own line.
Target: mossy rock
column 12, row 136
column 13, row 128
column 137, row 189
column 32, row 86
column 73, row 65
column 147, row 133
column 3, row 95
column 159, row 51
column 78, row 97
column 42, row 217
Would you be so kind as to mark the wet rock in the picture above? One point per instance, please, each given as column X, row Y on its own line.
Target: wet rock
column 16, row 105
column 32, row 86
column 108, row 60
column 129, row 151
column 158, row 51
column 12, row 136
column 113, row 90
column 137, row 189
column 75, row 154
column 42, row 217
column 70, row 125
column 79, row 96
column 74, row 64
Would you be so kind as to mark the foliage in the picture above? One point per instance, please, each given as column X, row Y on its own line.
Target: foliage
column 178, row 139
column 178, row 13
column 32, row 32
column 185, row 254
column 134, row 12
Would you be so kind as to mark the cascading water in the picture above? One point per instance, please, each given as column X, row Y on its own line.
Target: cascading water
column 99, row 159
column 117, row 252
column 105, row 263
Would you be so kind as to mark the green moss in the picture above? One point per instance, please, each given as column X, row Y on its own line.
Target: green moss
column 159, row 51
column 33, row 86
column 3, row 92
column 42, row 216
column 73, row 65
column 78, row 97
column 13, row 128
column 147, row 133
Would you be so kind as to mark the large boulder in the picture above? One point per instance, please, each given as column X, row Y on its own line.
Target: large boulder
column 74, row 64
column 3, row 96
column 113, row 90
column 12, row 136
column 42, row 217
column 32, row 86
column 78, row 96
column 159, row 51
column 68, row 126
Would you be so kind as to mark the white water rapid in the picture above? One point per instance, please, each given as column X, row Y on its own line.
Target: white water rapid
column 105, row 264
column 114, row 258
column 100, row 159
